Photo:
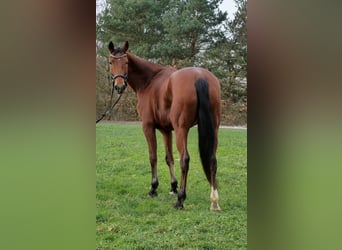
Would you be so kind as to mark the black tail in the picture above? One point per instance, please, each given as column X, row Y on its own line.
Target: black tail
column 206, row 133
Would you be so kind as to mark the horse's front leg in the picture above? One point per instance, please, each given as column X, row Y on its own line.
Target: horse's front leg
column 150, row 135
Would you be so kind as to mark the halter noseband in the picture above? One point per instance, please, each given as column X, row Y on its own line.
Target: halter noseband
column 125, row 77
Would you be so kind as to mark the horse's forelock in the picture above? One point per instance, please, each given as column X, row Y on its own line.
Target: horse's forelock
column 117, row 50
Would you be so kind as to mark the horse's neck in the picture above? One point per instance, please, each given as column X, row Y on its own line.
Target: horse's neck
column 141, row 72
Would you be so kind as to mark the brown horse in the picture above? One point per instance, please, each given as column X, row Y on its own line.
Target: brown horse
column 170, row 99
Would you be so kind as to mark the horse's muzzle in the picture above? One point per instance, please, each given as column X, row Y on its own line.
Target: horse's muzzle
column 120, row 89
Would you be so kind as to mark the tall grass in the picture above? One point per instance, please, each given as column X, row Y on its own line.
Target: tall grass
column 127, row 218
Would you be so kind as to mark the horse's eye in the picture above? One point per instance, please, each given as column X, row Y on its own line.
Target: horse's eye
column 110, row 62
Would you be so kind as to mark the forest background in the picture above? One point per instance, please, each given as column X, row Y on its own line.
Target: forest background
column 179, row 34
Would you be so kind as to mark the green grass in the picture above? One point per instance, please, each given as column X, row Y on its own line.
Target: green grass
column 127, row 218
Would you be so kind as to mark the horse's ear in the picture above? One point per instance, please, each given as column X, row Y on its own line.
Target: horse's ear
column 111, row 47
column 125, row 46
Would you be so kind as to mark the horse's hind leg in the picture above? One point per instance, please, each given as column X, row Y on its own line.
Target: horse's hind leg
column 167, row 135
column 214, row 194
column 213, row 183
column 181, row 142
column 150, row 135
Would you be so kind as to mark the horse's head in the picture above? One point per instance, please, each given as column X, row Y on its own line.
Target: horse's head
column 119, row 66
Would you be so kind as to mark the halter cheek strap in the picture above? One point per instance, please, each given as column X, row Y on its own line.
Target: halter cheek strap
column 125, row 77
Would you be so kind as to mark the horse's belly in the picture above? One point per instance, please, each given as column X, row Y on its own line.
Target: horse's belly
column 163, row 120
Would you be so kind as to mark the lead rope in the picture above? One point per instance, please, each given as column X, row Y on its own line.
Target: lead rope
column 111, row 106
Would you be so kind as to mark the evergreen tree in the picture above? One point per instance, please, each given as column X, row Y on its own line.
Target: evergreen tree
column 190, row 27
column 227, row 58
column 178, row 33
column 168, row 31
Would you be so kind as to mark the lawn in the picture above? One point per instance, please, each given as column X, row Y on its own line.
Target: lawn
column 127, row 218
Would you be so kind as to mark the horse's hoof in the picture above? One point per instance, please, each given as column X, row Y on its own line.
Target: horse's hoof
column 153, row 193
column 178, row 206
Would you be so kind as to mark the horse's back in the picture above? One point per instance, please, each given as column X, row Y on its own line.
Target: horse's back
column 183, row 81
column 193, row 73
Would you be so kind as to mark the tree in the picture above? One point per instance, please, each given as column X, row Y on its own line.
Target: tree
column 227, row 58
column 167, row 31
column 178, row 33
column 190, row 27
column 238, row 39
column 137, row 21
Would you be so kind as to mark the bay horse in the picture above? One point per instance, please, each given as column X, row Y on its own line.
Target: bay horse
column 170, row 99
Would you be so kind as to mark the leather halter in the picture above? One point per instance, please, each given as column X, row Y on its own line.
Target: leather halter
column 125, row 76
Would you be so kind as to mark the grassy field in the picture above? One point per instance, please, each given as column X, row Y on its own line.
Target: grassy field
column 127, row 218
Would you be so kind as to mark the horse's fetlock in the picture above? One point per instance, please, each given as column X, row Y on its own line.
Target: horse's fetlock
column 174, row 185
column 155, row 184
column 181, row 195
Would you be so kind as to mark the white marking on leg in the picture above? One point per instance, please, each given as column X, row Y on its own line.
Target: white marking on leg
column 214, row 200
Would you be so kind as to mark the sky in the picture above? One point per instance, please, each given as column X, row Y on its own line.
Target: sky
column 227, row 5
